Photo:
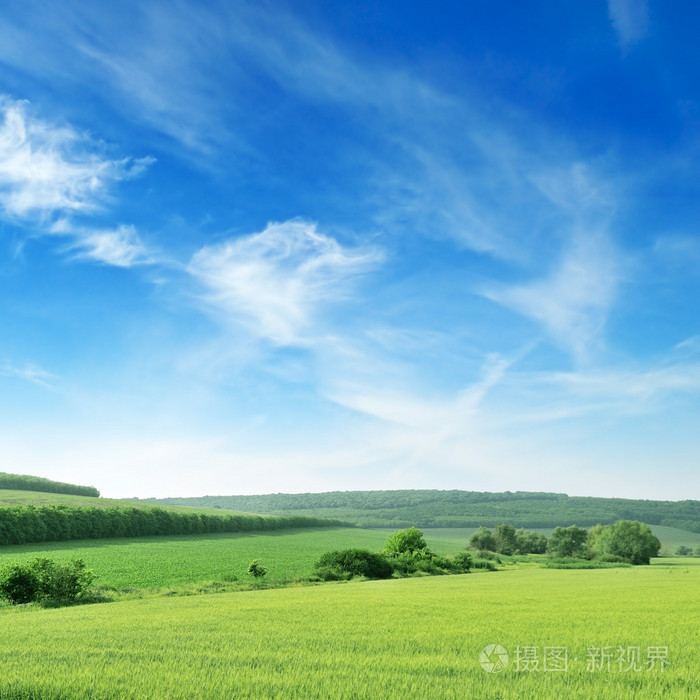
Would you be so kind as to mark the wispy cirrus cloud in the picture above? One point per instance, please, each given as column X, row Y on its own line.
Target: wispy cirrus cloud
column 50, row 173
column 630, row 18
column 120, row 247
column 47, row 169
column 275, row 281
column 572, row 302
column 29, row 372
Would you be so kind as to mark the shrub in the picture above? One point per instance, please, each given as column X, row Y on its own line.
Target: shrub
column 346, row 563
column 256, row 569
column 684, row 551
column 19, row 584
column 484, row 564
column 463, row 562
column 46, row 581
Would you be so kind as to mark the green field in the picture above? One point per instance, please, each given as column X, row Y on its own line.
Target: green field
column 409, row 638
column 158, row 562
column 165, row 561
column 9, row 497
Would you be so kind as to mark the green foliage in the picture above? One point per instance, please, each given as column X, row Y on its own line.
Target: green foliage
column 346, row 563
column 46, row 581
column 568, row 542
column 484, row 564
column 684, row 551
column 22, row 482
column 434, row 509
column 506, row 541
column 463, row 562
column 408, row 541
column 628, row 540
column 577, row 563
column 483, row 540
column 24, row 524
column 19, row 584
column 528, row 542
column 256, row 569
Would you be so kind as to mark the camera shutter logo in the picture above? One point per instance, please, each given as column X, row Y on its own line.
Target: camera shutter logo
column 493, row 658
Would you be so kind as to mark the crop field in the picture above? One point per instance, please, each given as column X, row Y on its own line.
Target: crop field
column 157, row 562
column 165, row 561
column 417, row 638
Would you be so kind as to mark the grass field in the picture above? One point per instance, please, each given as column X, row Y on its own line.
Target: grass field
column 38, row 498
column 166, row 561
column 410, row 638
column 157, row 562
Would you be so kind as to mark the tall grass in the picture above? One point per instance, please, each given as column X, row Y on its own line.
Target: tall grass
column 411, row 638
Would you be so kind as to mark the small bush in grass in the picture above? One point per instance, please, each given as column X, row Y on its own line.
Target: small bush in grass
column 256, row 569
column 47, row 582
column 342, row 564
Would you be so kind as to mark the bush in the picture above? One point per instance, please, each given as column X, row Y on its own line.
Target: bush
column 46, row 581
column 462, row 562
column 417, row 562
column 256, row 569
column 484, row 564
column 684, row 551
column 406, row 541
column 346, row 563
column 19, row 584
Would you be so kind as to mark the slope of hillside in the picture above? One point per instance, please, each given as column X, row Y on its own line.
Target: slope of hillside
column 9, row 497
column 433, row 508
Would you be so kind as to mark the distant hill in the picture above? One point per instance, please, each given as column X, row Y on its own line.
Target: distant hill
column 433, row 508
column 24, row 482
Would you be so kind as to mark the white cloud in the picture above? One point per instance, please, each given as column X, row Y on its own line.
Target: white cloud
column 276, row 280
column 49, row 171
column 121, row 247
column 630, row 19
column 573, row 301
column 45, row 169
column 29, row 373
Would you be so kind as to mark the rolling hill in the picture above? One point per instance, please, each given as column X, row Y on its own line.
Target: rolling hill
column 433, row 508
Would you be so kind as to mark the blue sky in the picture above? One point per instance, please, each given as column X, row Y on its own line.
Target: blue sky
column 252, row 247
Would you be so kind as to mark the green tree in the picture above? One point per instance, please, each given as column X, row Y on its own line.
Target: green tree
column 684, row 551
column 256, row 569
column 628, row 540
column 409, row 541
column 483, row 540
column 506, row 540
column 568, row 542
column 528, row 542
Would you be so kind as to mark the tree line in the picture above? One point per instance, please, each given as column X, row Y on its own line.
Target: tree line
column 434, row 508
column 626, row 541
column 27, row 524
column 22, row 482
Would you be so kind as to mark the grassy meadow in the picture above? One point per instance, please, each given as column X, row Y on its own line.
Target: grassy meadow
column 10, row 497
column 417, row 638
column 155, row 562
